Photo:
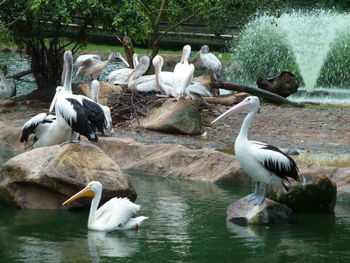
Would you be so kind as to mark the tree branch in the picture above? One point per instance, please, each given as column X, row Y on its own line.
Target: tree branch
column 255, row 91
column 182, row 21
column 149, row 12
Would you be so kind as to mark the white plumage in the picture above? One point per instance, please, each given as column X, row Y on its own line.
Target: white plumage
column 46, row 129
column 264, row 163
column 94, row 94
column 183, row 72
column 120, row 76
column 211, row 62
column 7, row 87
column 91, row 65
column 116, row 214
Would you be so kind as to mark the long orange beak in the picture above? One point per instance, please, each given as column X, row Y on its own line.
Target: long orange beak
column 86, row 192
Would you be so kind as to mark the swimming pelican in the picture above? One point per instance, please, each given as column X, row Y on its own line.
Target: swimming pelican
column 116, row 214
column 120, row 76
column 211, row 62
column 47, row 130
column 94, row 93
column 78, row 112
column 263, row 162
column 7, row 87
column 184, row 73
column 92, row 65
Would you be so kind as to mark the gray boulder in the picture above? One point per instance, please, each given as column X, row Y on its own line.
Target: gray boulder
column 179, row 117
column 244, row 212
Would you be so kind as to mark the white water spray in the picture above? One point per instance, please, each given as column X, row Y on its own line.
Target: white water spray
column 310, row 36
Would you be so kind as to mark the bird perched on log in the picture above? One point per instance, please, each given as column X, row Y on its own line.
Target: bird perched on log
column 211, row 62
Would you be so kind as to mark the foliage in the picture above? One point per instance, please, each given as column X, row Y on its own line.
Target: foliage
column 40, row 26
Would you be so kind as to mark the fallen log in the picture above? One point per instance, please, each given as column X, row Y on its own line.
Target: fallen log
column 21, row 74
column 272, row 97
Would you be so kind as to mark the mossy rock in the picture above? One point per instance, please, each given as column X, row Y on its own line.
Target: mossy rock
column 316, row 196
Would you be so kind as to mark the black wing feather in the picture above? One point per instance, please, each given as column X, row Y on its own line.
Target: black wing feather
column 82, row 124
column 281, row 170
column 95, row 114
column 31, row 129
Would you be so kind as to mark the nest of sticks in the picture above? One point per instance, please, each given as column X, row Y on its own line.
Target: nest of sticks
column 133, row 106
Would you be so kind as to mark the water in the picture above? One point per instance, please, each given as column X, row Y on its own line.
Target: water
column 187, row 224
column 311, row 44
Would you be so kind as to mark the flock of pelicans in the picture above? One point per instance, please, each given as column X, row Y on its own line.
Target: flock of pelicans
column 85, row 116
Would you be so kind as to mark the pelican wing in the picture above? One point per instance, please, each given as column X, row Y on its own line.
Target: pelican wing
column 200, row 89
column 211, row 62
column 146, row 83
column 80, row 60
column 86, row 65
column 30, row 126
column 274, row 160
column 119, row 76
column 75, row 114
column 116, row 213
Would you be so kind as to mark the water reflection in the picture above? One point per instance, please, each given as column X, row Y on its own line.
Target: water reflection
column 121, row 244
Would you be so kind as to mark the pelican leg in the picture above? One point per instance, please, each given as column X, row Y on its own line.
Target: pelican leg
column 254, row 195
column 71, row 140
column 260, row 198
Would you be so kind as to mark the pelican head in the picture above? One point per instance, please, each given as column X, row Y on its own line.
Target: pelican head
column 204, row 49
column 141, row 68
column 158, row 61
column 68, row 57
column 114, row 55
column 92, row 188
column 250, row 103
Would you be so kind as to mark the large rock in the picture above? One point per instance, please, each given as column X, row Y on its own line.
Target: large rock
column 9, row 137
column 316, row 194
column 106, row 94
column 180, row 116
column 245, row 212
column 174, row 160
column 341, row 175
column 45, row 177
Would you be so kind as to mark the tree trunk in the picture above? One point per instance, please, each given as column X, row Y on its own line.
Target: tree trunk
column 129, row 50
column 272, row 97
column 46, row 65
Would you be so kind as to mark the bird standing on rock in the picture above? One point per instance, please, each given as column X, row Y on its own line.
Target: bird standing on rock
column 263, row 162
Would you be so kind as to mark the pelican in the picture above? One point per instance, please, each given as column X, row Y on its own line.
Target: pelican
column 263, row 162
column 165, row 80
column 78, row 112
column 120, row 76
column 94, row 92
column 211, row 62
column 7, row 87
column 141, row 83
column 47, row 130
column 184, row 73
column 92, row 65
column 116, row 214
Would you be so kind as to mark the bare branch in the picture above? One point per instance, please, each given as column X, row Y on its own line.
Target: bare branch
column 182, row 21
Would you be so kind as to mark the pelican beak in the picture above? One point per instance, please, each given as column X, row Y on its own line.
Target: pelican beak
column 237, row 108
column 52, row 106
column 86, row 192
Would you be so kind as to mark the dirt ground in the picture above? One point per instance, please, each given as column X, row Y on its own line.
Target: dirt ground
column 317, row 130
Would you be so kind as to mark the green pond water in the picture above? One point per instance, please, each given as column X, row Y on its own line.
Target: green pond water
column 186, row 224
